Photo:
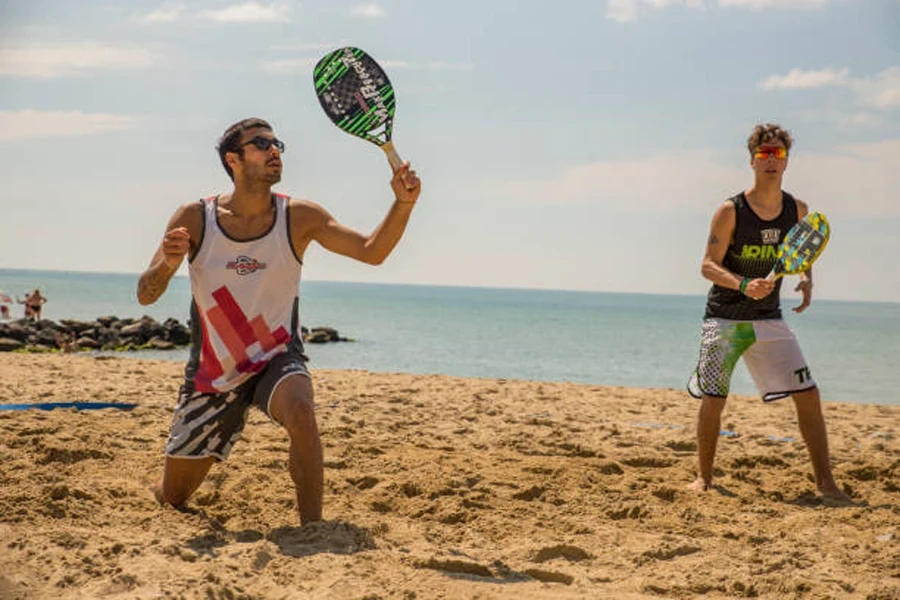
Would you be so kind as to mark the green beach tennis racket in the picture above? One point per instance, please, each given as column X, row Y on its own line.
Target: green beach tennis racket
column 802, row 245
column 357, row 96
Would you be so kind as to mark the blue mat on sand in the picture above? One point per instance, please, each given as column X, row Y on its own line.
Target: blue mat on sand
column 76, row 405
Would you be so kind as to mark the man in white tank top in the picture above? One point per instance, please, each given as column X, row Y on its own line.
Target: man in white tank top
column 245, row 250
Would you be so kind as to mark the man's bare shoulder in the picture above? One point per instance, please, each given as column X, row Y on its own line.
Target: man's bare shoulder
column 192, row 211
column 303, row 210
column 302, row 204
column 189, row 215
column 725, row 212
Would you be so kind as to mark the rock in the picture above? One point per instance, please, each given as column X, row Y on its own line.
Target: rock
column 113, row 333
column 9, row 344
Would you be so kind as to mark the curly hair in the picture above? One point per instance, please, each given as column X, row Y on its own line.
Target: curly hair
column 768, row 133
column 229, row 142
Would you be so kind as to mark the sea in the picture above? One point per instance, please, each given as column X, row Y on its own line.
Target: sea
column 611, row 339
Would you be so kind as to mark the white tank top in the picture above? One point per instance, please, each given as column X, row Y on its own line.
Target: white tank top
column 245, row 301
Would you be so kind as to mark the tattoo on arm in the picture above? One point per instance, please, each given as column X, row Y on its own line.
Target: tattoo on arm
column 153, row 283
column 713, row 240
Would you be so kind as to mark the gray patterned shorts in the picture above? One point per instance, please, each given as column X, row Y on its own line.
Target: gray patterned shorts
column 206, row 424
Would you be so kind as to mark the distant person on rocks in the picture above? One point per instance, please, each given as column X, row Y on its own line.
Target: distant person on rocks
column 244, row 250
column 5, row 301
column 34, row 303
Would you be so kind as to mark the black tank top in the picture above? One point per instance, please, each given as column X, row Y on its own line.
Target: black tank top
column 752, row 253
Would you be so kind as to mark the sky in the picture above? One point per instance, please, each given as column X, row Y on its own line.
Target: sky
column 574, row 144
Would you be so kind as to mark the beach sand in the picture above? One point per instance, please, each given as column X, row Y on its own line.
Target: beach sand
column 439, row 487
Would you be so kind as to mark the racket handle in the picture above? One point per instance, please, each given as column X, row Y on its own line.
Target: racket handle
column 392, row 155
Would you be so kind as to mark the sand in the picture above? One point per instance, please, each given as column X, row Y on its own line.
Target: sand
column 439, row 487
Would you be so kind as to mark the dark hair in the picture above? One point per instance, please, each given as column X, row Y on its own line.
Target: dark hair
column 229, row 142
column 768, row 133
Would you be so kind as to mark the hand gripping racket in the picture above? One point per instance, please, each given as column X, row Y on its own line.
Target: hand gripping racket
column 802, row 245
column 357, row 96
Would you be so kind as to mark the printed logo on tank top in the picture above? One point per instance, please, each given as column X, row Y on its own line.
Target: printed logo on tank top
column 245, row 265
column 770, row 236
column 768, row 250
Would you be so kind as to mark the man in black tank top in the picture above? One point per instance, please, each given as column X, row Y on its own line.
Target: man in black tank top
column 743, row 313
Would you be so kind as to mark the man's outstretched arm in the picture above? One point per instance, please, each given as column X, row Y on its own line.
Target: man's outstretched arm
column 376, row 247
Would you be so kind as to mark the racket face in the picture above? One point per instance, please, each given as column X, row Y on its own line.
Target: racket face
column 356, row 94
column 803, row 244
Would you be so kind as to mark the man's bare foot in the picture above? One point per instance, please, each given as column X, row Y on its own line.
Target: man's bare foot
column 834, row 496
column 700, row 485
column 156, row 490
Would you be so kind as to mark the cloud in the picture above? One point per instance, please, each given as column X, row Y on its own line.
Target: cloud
column 289, row 65
column 70, row 60
column 370, row 10
column 628, row 11
column 880, row 92
column 29, row 124
column 761, row 4
column 249, row 12
column 165, row 14
column 640, row 185
column 446, row 66
column 308, row 47
column 800, row 79
column 858, row 180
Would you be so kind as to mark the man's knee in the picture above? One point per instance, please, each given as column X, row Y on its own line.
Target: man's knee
column 807, row 399
column 293, row 404
column 712, row 405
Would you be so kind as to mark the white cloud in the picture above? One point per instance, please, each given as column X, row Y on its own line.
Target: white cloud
column 367, row 10
column 396, row 64
column 165, row 14
column 639, row 184
column 882, row 91
column 446, row 66
column 800, row 79
column 628, row 11
column 859, row 180
column 290, row 65
column 623, row 11
column 76, row 59
column 761, row 4
column 308, row 47
column 25, row 124
column 249, row 12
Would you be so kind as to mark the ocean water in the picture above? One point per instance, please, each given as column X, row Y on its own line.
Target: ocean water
column 637, row 340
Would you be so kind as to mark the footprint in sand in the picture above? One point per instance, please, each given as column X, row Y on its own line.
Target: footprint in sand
column 334, row 537
column 570, row 553
column 666, row 553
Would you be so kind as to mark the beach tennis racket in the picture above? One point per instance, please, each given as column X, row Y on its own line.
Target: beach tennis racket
column 357, row 96
column 802, row 245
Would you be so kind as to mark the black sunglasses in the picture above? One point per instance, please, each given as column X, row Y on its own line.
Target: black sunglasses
column 264, row 143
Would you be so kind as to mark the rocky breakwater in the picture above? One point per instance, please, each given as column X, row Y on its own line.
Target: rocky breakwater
column 114, row 333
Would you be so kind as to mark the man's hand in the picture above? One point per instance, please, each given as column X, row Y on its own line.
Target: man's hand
column 805, row 288
column 406, row 184
column 176, row 244
column 759, row 288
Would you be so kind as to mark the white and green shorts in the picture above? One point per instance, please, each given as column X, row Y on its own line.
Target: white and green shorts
column 770, row 351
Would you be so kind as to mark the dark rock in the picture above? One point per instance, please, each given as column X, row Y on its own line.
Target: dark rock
column 8, row 344
column 113, row 333
column 87, row 343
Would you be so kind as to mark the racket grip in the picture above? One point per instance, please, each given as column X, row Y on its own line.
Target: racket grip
column 392, row 156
